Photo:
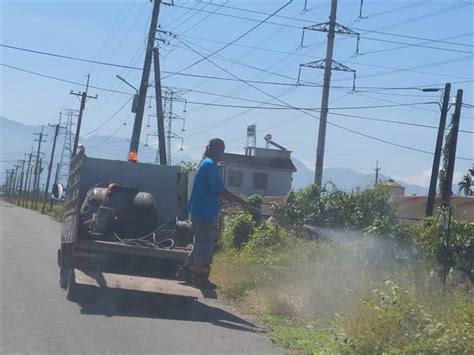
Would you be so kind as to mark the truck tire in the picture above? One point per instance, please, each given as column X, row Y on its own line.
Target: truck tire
column 63, row 275
column 73, row 291
column 64, row 266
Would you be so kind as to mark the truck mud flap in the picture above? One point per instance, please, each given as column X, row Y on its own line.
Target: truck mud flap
column 140, row 283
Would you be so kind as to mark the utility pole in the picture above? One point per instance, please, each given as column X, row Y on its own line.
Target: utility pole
column 38, row 152
column 448, row 182
column 328, row 64
column 22, row 177
column 51, row 159
column 437, row 154
column 15, row 177
column 159, row 108
column 137, row 125
column 377, row 169
column 7, row 171
column 84, row 98
column 37, row 189
column 29, row 190
column 9, row 181
column 25, row 191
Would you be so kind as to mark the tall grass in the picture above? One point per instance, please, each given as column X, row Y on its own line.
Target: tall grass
column 350, row 292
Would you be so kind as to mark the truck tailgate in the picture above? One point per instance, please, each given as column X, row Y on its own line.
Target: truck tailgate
column 140, row 283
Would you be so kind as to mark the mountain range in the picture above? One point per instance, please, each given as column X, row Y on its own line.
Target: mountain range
column 17, row 139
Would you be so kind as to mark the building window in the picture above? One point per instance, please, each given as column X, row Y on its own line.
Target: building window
column 235, row 178
column 260, row 181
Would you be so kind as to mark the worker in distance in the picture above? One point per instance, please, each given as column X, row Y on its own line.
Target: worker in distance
column 204, row 207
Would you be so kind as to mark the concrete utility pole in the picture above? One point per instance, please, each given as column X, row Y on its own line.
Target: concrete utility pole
column 9, row 182
column 328, row 64
column 51, row 159
column 15, row 177
column 159, row 108
column 437, row 154
column 20, row 185
column 84, row 98
column 137, row 125
column 7, row 171
column 377, row 169
column 34, row 201
column 25, row 191
column 37, row 189
column 448, row 182
column 318, row 174
column 28, row 192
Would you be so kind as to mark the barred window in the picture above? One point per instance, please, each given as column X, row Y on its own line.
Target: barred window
column 260, row 181
column 235, row 178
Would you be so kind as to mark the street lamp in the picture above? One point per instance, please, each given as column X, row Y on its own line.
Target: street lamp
column 135, row 97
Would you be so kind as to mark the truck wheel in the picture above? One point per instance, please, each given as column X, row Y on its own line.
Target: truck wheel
column 63, row 275
column 72, row 289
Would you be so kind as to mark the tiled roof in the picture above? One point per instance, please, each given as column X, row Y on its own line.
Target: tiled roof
column 259, row 162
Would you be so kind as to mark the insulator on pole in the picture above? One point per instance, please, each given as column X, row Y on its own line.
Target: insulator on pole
column 301, row 46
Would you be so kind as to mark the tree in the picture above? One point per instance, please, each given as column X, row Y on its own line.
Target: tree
column 465, row 184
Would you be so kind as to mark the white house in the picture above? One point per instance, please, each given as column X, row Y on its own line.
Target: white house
column 261, row 171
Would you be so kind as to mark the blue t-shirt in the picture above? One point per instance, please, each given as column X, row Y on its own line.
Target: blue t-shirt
column 204, row 201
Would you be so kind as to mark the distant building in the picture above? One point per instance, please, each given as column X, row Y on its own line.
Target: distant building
column 411, row 209
column 260, row 171
column 393, row 188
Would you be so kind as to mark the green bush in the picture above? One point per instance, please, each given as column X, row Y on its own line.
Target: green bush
column 336, row 208
column 238, row 228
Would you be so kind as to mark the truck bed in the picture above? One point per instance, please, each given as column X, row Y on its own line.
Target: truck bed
column 139, row 283
column 176, row 253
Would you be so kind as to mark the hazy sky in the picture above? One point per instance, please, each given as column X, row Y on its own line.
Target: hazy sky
column 115, row 32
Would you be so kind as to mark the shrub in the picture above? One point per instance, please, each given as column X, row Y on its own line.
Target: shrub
column 336, row 208
column 238, row 228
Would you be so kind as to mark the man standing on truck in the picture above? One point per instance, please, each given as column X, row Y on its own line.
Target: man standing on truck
column 208, row 189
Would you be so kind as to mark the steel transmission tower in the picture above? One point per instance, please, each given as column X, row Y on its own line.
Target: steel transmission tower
column 169, row 98
column 62, row 169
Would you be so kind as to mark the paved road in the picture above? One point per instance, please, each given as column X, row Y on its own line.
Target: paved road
column 35, row 316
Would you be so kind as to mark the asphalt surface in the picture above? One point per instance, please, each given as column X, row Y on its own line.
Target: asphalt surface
column 35, row 316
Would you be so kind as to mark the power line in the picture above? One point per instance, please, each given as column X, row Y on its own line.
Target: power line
column 113, row 133
column 333, row 113
column 396, row 102
column 109, row 119
column 391, row 11
column 392, row 69
column 261, row 22
column 185, row 14
column 308, row 84
column 331, row 123
column 414, row 37
column 205, row 17
column 229, row 79
column 414, row 45
column 429, row 65
column 359, row 29
column 283, row 107
column 113, row 31
column 411, row 45
column 428, row 15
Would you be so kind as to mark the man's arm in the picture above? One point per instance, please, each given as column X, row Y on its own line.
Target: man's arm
column 229, row 196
